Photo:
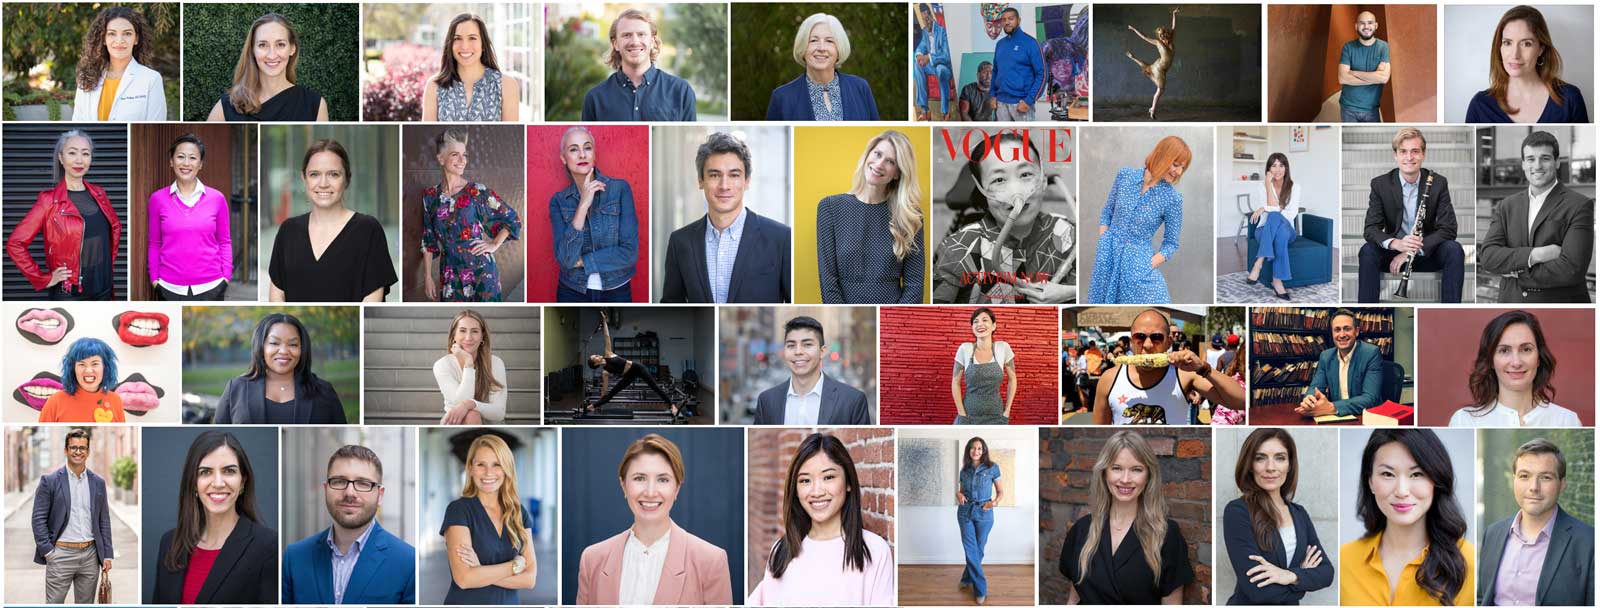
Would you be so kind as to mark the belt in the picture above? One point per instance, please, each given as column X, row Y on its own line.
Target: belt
column 83, row 545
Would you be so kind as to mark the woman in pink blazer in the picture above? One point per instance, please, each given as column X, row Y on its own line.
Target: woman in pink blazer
column 654, row 561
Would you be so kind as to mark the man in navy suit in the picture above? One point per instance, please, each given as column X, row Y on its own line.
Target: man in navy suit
column 1541, row 556
column 731, row 255
column 354, row 561
column 809, row 397
column 1393, row 204
column 72, row 526
column 1349, row 377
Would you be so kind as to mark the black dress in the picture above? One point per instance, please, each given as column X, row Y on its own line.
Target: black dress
column 294, row 104
column 355, row 264
column 1123, row 577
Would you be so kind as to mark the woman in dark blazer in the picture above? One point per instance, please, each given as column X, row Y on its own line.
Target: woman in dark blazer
column 279, row 387
column 823, row 92
column 219, row 553
column 1274, row 549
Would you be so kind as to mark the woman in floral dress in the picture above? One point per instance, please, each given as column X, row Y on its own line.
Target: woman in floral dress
column 463, row 224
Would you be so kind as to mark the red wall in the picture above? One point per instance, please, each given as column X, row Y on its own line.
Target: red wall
column 622, row 152
column 918, row 349
column 1449, row 344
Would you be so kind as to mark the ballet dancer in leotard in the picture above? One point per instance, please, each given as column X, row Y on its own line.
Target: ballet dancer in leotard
column 1156, row 70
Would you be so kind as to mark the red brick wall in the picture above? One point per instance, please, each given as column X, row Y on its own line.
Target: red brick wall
column 771, row 449
column 1066, row 465
column 918, row 349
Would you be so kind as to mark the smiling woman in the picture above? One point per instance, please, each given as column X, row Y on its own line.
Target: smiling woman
column 332, row 253
column 113, row 82
column 279, row 387
column 469, row 85
column 264, row 86
column 486, row 531
column 219, row 552
column 821, row 45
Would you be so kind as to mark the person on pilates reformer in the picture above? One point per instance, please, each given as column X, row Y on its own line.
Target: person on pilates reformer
column 626, row 372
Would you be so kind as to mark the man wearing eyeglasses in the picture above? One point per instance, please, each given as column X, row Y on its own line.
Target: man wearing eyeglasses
column 72, row 526
column 354, row 561
column 1152, row 389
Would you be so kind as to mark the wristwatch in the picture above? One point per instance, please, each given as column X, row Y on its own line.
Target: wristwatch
column 518, row 565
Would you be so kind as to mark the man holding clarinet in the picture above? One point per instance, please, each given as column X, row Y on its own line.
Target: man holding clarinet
column 1410, row 225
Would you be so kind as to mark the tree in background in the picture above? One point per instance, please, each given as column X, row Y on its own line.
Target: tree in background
column 54, row 40
column 764, row 60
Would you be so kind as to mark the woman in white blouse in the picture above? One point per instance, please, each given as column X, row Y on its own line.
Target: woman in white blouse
column 1511, row 378
column 1274, row 223
column 981, row 364
column 472, row 394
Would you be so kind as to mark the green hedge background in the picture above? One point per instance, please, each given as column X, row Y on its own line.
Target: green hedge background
column 763, row 57
column 330, row 52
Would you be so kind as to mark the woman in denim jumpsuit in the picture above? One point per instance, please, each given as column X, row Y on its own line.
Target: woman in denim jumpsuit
column 975, row 500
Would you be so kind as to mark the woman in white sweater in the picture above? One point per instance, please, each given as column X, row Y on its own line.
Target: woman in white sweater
column 1275, row 223
column 472, row 395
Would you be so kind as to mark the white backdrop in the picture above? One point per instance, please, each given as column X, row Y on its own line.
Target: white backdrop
column 1458, row 442
column 161, row 365
column 1469, row 30
column 929, row 535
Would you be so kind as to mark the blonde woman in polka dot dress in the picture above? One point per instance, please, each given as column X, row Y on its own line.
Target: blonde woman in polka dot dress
column 869, row 240
column 1126, row 270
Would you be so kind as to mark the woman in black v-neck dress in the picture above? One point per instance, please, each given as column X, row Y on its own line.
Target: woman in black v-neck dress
column 356, row 266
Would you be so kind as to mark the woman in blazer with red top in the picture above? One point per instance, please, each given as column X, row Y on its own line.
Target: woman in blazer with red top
column 81, row 231
column 618, row 570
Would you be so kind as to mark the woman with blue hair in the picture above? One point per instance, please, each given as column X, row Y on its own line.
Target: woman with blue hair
column 88, row 371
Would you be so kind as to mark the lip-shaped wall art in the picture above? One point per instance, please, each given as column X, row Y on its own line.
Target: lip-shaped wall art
column 141, row 329
column 139, row 397
column 35, row 392
column 45, row 326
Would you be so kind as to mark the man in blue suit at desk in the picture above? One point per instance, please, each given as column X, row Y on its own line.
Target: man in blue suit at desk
column 355, row 561
column 72, row 526
column 731, row 255
column 1541, row 556
column 1349, row 377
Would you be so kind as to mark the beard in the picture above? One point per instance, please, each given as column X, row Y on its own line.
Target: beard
column 1365, row 37
column 355, row 521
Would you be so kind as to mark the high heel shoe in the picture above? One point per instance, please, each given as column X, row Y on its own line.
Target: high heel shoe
column 1250, row 281
column 1285, row 296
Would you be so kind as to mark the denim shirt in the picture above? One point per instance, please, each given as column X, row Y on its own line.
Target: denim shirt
column 978, row 484
column 661, row 97
column 609, row 241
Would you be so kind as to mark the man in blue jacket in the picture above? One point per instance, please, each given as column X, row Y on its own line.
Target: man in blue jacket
column 354, row 561
column 933, row 59
column 1349, row 377
column 1018, row 70
column 72, row 526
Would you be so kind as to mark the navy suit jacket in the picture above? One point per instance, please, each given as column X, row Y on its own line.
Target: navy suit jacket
column 760, row 269
column 52, row 503
column 1240, row 540
column 384, row 574
column 1366, row 379
column 841, row 404
column 1567, row 576
column 792, row 100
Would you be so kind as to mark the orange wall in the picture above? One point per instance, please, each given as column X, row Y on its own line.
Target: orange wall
column 1450, row 339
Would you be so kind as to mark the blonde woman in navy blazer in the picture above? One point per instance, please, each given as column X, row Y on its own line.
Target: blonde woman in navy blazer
column 113, row 46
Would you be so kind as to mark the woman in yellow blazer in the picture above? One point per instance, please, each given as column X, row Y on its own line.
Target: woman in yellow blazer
column 654, row 561
column 1408, row 505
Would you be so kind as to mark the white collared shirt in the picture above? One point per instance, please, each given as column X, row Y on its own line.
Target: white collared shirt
column 1536, row 202
column 802, row 410
column 80, row 518
column 641, row 570
column 193, row 198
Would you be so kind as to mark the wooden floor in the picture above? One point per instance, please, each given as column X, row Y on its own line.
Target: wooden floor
column 1009, row 585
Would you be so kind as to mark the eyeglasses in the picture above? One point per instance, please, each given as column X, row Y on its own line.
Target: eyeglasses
column 77, row 448
column 362, row 485
column 1154, row 338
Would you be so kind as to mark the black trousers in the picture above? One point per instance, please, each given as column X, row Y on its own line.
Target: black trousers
column 634, row 372
column 214, row 294
column 1448, row 260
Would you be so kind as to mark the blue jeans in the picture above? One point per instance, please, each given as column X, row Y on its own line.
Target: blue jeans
column 975, row 524
column 1275, row 234
column 566, row 294
column 942, row 71
column 1354, row 115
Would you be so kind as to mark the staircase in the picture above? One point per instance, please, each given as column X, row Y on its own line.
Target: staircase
column 402, row 343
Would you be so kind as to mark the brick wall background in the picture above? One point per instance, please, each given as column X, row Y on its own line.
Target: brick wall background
column 918, row 348
column 1066, row 463
column 771, row 450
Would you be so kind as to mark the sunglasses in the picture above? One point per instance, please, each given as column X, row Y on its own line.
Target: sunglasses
column 1153, row 338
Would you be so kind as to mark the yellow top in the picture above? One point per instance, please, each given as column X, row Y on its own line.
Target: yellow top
column 1363, row 582
column 108, row 95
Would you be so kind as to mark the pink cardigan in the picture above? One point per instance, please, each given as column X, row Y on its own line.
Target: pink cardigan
column 695, row 573
column 189, row 246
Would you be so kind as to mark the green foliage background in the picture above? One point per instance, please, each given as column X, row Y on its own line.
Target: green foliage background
column 763, row 52
column 697, row 32
column 55, row 35
column 216, row 347
column 330, row 46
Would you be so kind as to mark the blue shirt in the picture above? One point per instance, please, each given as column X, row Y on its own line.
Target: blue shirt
column 1018, row 68
column 722, row 249
column 345, row 563
column 1572, row 109
column 1408, row 207
column 978, row 483
column 935, row 44
column 661, row 97
column 1362, row 58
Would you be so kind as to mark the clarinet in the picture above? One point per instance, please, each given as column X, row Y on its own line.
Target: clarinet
column 1416, row 230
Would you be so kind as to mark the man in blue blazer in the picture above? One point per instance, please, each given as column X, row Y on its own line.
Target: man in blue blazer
column 1540, row 533
column 1349, row 377
column 731, row 255
column 354, row 561
column 809, row 397
column 72, row 526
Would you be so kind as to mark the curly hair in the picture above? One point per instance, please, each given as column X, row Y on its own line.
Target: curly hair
column 94, row 58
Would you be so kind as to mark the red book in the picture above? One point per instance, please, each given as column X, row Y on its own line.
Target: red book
column 1388, row 414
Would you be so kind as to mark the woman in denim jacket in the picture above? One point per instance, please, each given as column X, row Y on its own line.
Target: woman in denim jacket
column 975, row 501
column 594, row 229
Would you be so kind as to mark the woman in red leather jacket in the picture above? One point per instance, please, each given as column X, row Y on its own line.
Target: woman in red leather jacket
column 81, row 232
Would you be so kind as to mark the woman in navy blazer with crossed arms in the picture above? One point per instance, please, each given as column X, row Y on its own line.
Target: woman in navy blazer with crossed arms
column 1273, row 547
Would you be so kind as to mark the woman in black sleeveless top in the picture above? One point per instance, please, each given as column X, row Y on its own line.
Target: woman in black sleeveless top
column 264, row 86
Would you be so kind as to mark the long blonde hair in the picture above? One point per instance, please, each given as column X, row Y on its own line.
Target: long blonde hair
column 1150, row 523
column 247, row 75
column 905, row 193
column 510, row 505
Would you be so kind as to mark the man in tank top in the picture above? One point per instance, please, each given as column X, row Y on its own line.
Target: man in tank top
column 1129, row 394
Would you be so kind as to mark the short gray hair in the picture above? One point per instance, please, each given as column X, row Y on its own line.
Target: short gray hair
column 61, row 142
column 803, row 36
column 561, row 144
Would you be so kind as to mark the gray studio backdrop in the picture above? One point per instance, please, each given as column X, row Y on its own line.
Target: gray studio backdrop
column 713, row 471
column 1316, row 489
column 305, row 466
column 1104, row 151
column 164, row 451
column 1458, row 442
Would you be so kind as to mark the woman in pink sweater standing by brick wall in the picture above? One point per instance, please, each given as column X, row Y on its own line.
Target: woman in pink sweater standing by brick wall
column 190, row 242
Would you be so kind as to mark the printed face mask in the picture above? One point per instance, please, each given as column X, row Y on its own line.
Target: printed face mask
column 44, row 326
column 138, row 395
column 141, row 328
column 35, row 392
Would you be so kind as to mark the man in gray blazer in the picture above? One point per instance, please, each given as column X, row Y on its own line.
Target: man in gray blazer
column 1541, row 556
column 1540, row 240
column 72, row 526
column 809, row 397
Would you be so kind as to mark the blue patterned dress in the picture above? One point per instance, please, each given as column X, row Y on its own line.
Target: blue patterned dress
column 449, row 225
column 1122, row 272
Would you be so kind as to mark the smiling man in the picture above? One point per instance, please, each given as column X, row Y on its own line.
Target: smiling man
column 1363, row 70
column 1349, row 376
column 731, row 255
column 1393, row 205
column 809, row 397
column 1540, row 240
column 354, row 561
column 72, row 526
column 1541, row 556
column 1152, row 386
column 638, row 90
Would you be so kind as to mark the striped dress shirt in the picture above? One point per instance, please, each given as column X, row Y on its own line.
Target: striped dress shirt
column 345, row 563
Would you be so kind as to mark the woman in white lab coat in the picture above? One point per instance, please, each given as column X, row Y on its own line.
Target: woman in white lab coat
column 112, row 82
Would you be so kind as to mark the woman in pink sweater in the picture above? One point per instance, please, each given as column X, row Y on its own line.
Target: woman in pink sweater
column 190, row 243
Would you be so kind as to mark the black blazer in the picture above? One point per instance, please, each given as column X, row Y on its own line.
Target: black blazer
column 1386, row 206
column 760, row 269
column 841, row 404
column 1241, row 543
column 52, row 503
column 246, row 572
column 244, row 402
column 1567, row 576
column 1566, row 218
column 1122, row 576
